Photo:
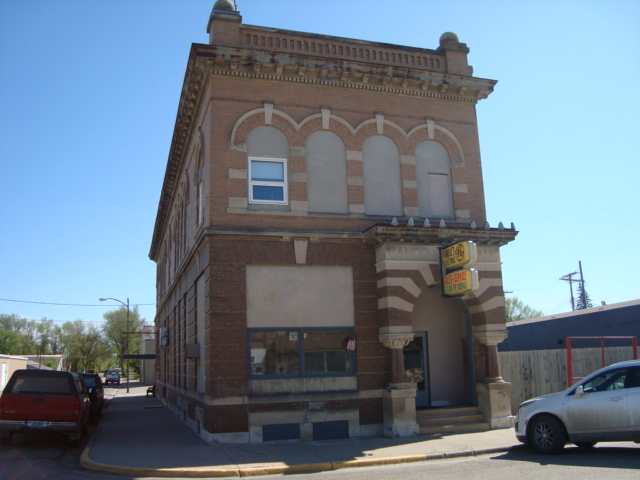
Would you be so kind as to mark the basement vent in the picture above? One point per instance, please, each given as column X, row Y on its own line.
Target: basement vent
column 331, row 430
column 283, row 431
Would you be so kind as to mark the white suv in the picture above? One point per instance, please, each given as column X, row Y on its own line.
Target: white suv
column 604, row 406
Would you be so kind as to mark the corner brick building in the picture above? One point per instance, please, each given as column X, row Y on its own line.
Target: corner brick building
column 310, row 184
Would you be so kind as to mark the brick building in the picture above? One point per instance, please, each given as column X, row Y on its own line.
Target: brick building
column 310, row 183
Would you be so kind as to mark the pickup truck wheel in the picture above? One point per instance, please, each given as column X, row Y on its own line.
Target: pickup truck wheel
column 6, row 439
column 547, row 434
column 74, row 438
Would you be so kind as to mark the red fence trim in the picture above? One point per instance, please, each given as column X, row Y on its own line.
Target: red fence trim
column 570, row 377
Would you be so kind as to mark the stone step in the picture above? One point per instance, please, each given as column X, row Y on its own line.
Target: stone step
column 450, row 420
column 455, row 428
column 445, row 412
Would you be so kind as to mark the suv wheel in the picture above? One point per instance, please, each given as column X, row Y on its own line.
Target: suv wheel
column 547, row 434
column 585, row 445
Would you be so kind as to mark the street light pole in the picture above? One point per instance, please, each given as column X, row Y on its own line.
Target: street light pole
column 126, row 333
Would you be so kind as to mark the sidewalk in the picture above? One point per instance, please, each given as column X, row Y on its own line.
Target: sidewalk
column 138, row 436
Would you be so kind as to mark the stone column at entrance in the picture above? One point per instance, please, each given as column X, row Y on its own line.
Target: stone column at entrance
column 396, row 342
column 494, row 394
column 490, row 340
column 399, row 400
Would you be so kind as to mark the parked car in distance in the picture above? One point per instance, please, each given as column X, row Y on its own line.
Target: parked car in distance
column 93, row 382
column 44, row 401
column 604, row 406
column 113, row 376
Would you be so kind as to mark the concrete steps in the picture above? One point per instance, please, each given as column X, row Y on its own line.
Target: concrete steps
column 443, row 421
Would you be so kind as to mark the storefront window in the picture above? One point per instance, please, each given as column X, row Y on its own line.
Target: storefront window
column 275, row 352
column 301, row 352
column 325, row 351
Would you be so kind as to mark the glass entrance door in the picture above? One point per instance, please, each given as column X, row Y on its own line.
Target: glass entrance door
column 416, row 364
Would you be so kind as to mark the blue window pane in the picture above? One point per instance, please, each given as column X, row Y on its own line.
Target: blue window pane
column 268, row 193
column 267, row 171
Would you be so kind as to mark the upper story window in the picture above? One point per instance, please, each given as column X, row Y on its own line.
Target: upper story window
column 200, row 195
column 198, row 178
column 435, row 198
column 327, row 186
column 268, row 180
column 268, row 154
column 382, row 177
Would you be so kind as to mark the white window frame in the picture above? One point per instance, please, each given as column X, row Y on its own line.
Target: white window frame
column 261, row 183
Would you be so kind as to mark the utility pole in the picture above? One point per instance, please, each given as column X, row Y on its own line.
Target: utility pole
column 567, row 278
column 583, row 291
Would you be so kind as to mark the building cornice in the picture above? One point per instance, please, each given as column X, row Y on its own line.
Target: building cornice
column 436, row 235
column 339, row 72
column 272, row 65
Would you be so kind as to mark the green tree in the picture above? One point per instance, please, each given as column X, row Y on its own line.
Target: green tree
column 518, row 310
column 9, row 342
column 84, row 346
column 123, row 333
column 47, row 336
column 92, row 349
column 20, row 334
column 72, row 335
column 583, row 301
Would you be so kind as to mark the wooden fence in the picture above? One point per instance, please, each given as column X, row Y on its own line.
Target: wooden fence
column 539, row 372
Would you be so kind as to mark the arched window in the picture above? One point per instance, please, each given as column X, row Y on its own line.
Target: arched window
column 268, row 159
column 382, row 178
column 435, row 199
column 327, row 174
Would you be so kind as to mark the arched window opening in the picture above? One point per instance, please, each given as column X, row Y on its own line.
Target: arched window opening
column 435, row 198
column 268, row 158
column 382, row 177
column 327, row 173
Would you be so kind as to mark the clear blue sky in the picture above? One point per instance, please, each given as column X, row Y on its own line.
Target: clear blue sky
column 88, row 99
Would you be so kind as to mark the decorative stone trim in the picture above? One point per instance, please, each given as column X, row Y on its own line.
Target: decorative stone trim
column 395, row 340
column 490, row 338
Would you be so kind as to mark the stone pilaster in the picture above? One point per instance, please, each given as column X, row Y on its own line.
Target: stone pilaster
column 398, row 400
column 490, row 340
column 494, row 394
column 396, row 342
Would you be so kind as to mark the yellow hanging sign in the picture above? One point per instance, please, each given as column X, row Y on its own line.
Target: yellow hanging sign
column 461, row 281
column 458, row 255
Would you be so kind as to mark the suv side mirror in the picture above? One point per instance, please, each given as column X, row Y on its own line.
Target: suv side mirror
column 579, row 391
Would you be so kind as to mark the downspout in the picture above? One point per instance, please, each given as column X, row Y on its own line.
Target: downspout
column 470, row 352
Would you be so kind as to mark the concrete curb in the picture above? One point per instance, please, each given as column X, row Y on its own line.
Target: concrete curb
column 216, row 472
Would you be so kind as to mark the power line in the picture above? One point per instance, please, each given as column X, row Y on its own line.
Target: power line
column 73, row 304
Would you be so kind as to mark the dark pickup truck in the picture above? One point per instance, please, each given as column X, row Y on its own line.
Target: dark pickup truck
column 44, row 401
